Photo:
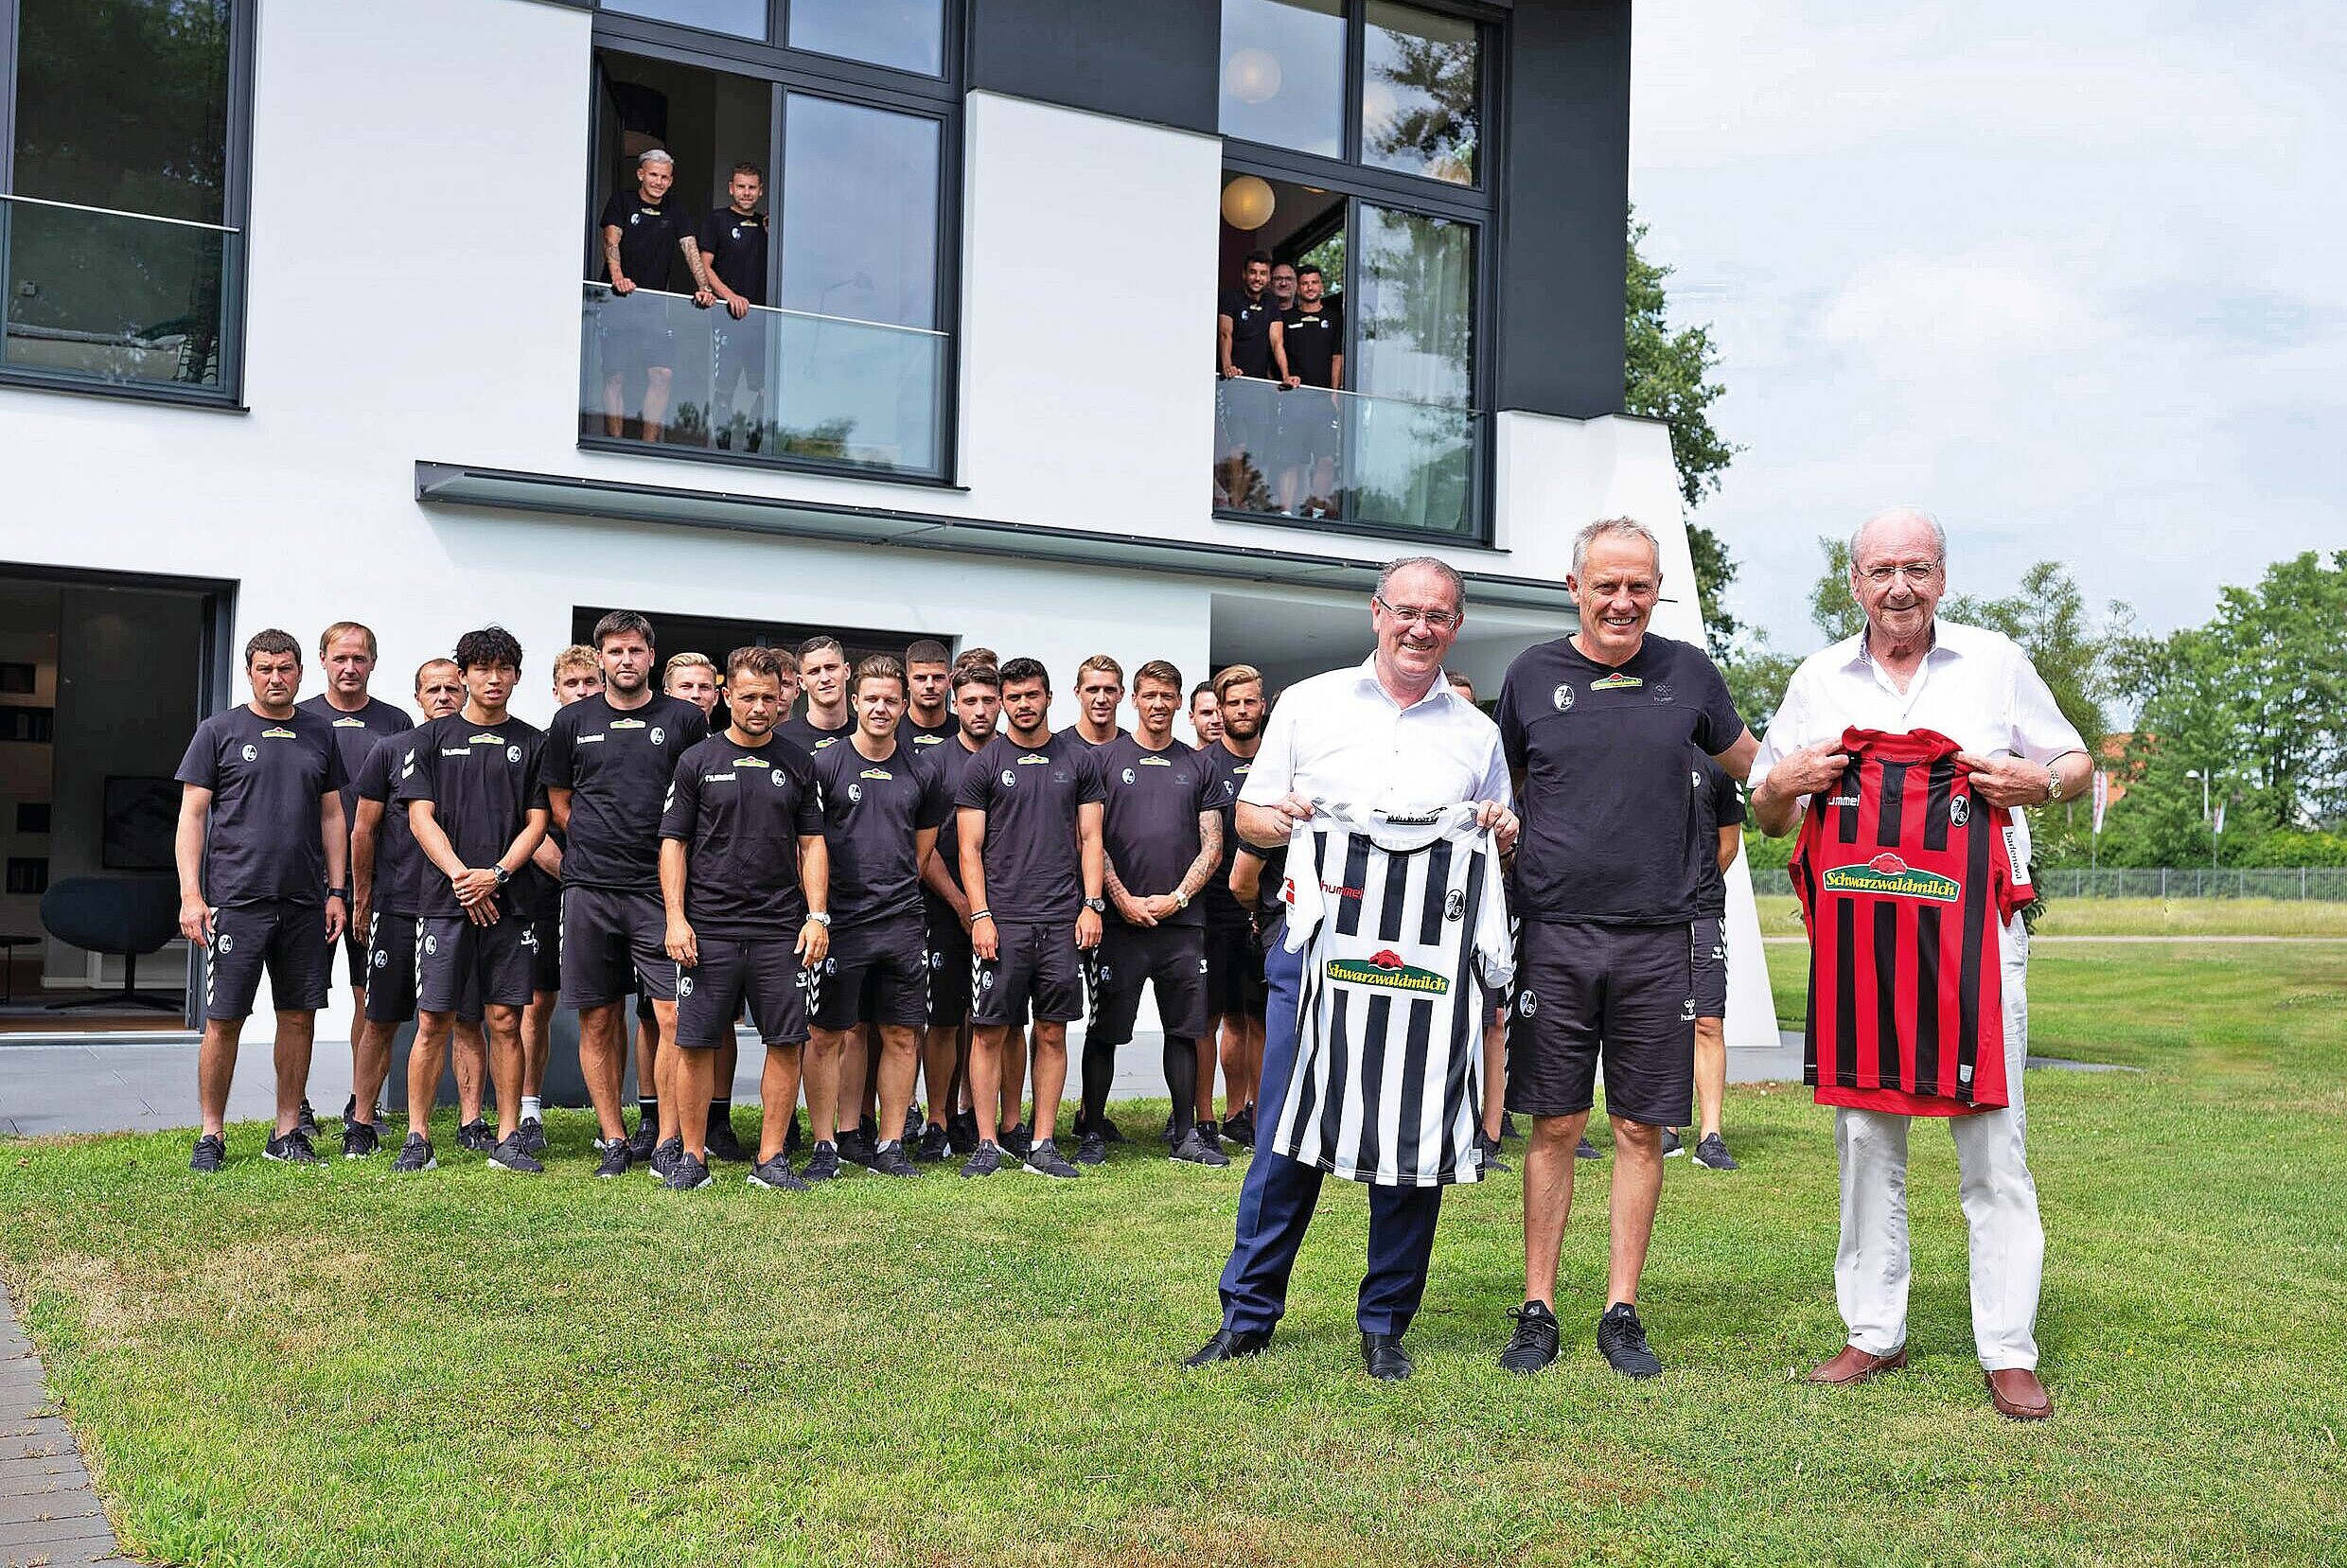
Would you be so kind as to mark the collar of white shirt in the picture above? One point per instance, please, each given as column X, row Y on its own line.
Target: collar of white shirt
column 1365, row 679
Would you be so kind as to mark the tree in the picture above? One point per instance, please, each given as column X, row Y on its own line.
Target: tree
column 1668, row 378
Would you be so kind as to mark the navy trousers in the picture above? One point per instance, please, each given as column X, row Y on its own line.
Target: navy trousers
column 1276, row 1203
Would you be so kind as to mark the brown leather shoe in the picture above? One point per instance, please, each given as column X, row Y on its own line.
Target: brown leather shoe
column 1852, row 1364
column 2018, row 1395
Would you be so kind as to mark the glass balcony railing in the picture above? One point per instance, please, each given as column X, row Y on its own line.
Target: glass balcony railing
column 1346, row 457
column 657, row 370
column 119, row 297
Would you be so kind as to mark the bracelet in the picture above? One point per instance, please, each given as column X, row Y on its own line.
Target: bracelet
column 2052, row 784
column 982, row 914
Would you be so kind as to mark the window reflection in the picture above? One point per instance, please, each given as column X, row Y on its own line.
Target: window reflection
column 1283, row 73
column 859, row 213
column 741, row 18
column 1420, row 91
column 906, row 34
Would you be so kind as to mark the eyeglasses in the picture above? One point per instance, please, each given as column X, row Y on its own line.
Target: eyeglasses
column 1919, row 571
column 1437, row 620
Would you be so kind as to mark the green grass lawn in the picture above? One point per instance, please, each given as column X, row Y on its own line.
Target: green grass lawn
column 2143, row 917
column 276, row 1367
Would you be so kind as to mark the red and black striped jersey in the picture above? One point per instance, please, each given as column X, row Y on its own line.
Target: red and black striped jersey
column 1904, row 877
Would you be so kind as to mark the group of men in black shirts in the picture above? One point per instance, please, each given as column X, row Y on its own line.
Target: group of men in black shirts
column 1280, row 352
column 897, row 884
column 652, row 241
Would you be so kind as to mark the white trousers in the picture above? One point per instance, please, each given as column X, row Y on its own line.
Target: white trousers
column 2000, row 1207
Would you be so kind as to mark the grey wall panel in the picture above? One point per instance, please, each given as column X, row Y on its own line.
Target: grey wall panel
column 1150, row 60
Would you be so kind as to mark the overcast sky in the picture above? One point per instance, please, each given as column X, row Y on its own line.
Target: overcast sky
column 2073, row 276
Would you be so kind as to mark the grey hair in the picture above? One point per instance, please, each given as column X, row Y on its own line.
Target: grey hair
column 1939, row 535
column 655, row 155
column 1625, row 528
column 1443, row 568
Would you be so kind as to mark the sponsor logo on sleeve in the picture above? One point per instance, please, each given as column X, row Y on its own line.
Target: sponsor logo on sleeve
column 1888, row 874
column 1385, row 970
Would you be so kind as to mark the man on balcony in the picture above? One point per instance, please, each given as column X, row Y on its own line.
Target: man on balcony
column 1307, row 348
column 1243, row 402
column 728, row 259
column 643, row 234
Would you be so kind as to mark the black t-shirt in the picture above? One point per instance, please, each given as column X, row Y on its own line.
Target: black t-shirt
column 925, row 739
column 1149, row 824
column 483, row 780
column 1268, row 906
column 650, row 236
column 1608, row 827
column 355, row 735
column 1226, row 774
column 1312, row 340
column 811, row 740
column 617, row 762
column 399, row 864
column 1718, row 805
column 735, row 247
column 1250, row 330
column 872, row 811
column 951, row 760
column 1031, row 796
column 740, row 812
column 262, row 839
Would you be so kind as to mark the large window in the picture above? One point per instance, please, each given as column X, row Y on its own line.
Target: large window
column 1354, row 150
column 809, row 322
column 120, row 193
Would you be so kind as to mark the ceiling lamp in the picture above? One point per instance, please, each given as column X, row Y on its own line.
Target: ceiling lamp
column 1247, row 203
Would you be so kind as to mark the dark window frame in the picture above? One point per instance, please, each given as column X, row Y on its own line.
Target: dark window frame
column 806, row 74
column 235, row 216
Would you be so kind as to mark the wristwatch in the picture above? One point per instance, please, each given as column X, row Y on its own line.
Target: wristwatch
column 2052, row 784
column 1181, row 899
column 1098, row 905
column 821, row 918
column 504, row 876
column 343, row 893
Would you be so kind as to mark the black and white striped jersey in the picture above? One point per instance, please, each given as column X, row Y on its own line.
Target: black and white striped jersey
column 1404, row 935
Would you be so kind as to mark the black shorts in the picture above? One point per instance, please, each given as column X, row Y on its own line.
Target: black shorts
column 1308, row 429
column 1709, row 944
column 461, row 967
column 1234, row 973
column 949, row 971
column 613, row 942
column 286, row 939
column 1623, row 993
column 766, row 971
column 876, row 973
column 391, row 971
column 546, row 958
column 355, row 953
column 1168, row 959
column 635, row 334
column 738, row 350
column 1034, row 970
column 1246, row 419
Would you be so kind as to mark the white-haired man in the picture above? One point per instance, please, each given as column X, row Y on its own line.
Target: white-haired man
column 1909, row 670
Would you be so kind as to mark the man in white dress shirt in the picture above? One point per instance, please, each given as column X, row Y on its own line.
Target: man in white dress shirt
column 1389, row 734
column 1909, row 670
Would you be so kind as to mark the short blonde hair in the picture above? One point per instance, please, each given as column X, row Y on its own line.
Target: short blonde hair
column 578, row 656
column 685, row 661
column 341, row 629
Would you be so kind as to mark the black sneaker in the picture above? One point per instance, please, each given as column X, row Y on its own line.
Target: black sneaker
column 305, row 1120
column 721, row 1144
column 533, row 1134
column 416, row 1154
column 1533, row 1344
column 1621, row 1339
column 1712, row 1154
column 794, row 1137
column 1239, row 1129
column 1165, row 1134
column 643, row 1140
column 1586, row 1150
column 1108, row 1130
column 1194, row 1150
column 1487, row 1155
column 823, row 1165
column 1672, row 1148
column 211, row 1153
column 350, row 1111
column 1092, row 1149
column 475, row 1136
column 933, row 1146
column 290, row 1149
column 664, row 1156
column 618, row 1155
column 914, row 1121
column 1508, row 1133
column 889, row 1160
column 858, row 1147
column 1042, row 1158
column 360, row 1141
column 777, row 1174
column 985, row 1160
column 685, row 1173
column 1017, row 1140
column 508, row 1154
column 962, row 1133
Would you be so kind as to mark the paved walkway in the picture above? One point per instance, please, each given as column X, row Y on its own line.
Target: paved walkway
column 48, row 1512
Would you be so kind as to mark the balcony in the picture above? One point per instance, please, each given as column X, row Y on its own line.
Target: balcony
column 658, row 373
column 1383, row 465
column 116, row 299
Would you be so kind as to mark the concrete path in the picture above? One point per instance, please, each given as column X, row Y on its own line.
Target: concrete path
column 48, row 1512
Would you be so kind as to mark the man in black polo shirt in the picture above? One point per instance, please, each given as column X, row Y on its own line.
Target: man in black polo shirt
column 644, row 235
column 1308, row 352
column 1244, row 412
column 261, row 853
column 930, row 720
column 1033, row 867
column 1236, row 993
column 977, row 701
column 743, row 880
column 728, row 259
column 1596, row 728
column 882, row 805
column 1162, row 834
column 609, row 761
column 471, row 784
column 823, row 675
